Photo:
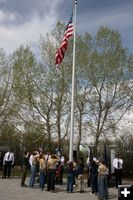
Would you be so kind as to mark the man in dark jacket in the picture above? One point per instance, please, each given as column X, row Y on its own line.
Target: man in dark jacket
column 25, row 167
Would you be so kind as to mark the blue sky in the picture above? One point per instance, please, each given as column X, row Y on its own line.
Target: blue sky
column 23, row 21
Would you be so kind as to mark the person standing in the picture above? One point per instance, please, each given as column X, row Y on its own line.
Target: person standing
column 60, row 170
column 74, row 171
column 8, row 162
column 118, row 166
column 94, row 176
column 51, row 171
column 33, row 160
column 79, row 174
column 88, row 171
column 25, row 167
column 102, row 181
column 42, row 171
column 70, row 177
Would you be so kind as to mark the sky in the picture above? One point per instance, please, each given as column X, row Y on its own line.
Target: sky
column 23, row 21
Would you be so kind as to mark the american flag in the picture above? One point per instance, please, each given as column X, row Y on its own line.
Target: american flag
column 60, row 53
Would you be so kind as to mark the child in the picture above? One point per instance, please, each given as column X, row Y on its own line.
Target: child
column 70, row 175
column 79, row 174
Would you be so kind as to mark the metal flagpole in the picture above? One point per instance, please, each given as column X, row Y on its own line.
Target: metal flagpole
column 73, row 85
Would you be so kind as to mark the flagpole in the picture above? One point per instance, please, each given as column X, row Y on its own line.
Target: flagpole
column 73, row 85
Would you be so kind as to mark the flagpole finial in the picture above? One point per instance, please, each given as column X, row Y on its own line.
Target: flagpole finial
column 75, row 1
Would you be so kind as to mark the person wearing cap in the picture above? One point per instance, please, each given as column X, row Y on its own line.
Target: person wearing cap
column 118, row 165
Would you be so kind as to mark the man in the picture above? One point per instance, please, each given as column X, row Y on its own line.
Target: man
column 8, row 161
column 51, row 172
column 25, row 168
column 118, row 165
column 94, row 176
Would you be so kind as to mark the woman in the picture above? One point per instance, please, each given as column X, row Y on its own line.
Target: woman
column 33, row 163
column 42, row 171
column 102, row 181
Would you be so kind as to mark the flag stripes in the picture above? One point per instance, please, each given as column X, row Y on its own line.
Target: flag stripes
column 60, row 53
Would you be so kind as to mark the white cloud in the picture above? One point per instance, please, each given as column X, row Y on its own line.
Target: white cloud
column 6, row 16
column 40, row 17
column 28, row 33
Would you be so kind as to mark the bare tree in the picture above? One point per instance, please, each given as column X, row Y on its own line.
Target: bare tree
column 107, row 66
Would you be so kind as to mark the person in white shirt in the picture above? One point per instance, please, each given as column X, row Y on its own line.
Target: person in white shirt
column 33, row 160
column 8, row 161
column 88, row 171
column 118, row 166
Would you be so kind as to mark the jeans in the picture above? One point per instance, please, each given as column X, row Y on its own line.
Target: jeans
column 42, row 179
column 32, row 177
column 70, row 183
column 102, row 186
